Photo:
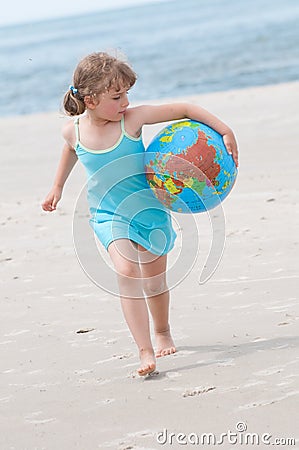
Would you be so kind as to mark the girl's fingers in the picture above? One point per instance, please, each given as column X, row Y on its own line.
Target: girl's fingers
column 232, row 150
column 235, row 156
column 48, row 206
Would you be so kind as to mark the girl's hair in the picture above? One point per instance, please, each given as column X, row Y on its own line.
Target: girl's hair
column 95, row 74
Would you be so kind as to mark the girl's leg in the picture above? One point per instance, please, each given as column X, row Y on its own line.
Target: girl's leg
column 125, row 259
column 153, row 271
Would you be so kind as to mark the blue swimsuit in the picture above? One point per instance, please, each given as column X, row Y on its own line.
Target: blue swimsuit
column 122, row 205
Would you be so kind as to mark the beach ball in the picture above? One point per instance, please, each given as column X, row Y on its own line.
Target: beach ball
column 188, row 167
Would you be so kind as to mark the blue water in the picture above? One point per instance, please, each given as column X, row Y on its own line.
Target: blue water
column 176, row 47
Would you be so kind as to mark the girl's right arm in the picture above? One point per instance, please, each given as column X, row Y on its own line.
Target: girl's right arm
column 67, row 161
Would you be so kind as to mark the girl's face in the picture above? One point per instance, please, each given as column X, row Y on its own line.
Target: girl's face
column 112, row 104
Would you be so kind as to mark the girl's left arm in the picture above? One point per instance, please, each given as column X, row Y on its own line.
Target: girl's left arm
column 150, row 114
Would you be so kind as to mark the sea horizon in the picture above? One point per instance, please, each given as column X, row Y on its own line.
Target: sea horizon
column 177, row 50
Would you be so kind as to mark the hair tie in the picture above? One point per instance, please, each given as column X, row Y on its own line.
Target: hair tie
column 73, row 89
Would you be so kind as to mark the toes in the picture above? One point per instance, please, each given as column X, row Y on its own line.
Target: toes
column 165, row 352
column 142, row 371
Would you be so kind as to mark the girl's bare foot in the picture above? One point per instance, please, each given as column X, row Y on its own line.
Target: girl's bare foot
column 165, row 344
column 148, row 362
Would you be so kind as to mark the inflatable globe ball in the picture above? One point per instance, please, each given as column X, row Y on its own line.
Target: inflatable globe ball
column 188, row 167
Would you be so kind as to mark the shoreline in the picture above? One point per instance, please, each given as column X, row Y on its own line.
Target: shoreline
column 172, row 99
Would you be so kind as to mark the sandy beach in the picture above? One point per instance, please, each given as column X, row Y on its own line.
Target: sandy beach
column 237, row 365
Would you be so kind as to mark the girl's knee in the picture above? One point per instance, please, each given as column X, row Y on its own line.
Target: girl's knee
column 127, row 271
column 154, row 286
column 129, row 281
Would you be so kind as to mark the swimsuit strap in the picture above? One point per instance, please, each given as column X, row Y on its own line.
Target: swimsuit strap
column 122, row 124
column 76, row 123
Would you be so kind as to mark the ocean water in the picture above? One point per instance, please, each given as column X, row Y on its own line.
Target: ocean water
column 176, row 47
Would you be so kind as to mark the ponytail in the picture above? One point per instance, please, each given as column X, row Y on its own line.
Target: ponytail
column 73, row 103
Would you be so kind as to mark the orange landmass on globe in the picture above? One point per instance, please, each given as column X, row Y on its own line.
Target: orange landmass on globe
column 195, row 167
column 201, row 156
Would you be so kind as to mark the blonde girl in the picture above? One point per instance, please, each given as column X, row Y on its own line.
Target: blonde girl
column 139, row 235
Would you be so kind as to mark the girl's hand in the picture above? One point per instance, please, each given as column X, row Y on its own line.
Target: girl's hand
column 52, row 199
column 231, row 145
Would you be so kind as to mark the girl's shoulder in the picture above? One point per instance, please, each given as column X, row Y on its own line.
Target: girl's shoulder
column 134, row 117
column 133, row 124
column 136, row 111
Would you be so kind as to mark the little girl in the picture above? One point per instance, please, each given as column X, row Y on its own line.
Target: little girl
column 105, row 130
